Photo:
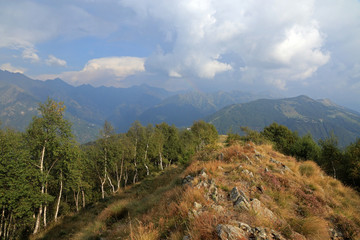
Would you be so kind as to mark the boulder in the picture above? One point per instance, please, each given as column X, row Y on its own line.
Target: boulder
column 261, row 210
column 229, row 232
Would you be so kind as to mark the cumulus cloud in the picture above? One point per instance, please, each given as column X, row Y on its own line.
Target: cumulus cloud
column 30, row 54
column 8, row 67
column 280, row 40
column 108, row 71
column 54, row 61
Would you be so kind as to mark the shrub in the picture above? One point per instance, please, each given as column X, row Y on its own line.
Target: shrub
column 307, row 169
column 314, row 228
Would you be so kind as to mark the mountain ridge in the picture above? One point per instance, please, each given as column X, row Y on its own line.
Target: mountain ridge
column 302, row 114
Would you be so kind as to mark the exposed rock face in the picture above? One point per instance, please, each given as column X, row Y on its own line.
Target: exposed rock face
column 242, row 231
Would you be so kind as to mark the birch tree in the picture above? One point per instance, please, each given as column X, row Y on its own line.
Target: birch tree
column 46, row 135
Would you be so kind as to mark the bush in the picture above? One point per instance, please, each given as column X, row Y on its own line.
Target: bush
column 314, row 228
column 307, row 169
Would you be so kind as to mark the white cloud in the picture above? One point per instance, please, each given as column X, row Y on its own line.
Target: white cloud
column 54, row 61
column 108, row 71
column 8, row 67
column 24, row 24
column 279, row 38
column 30, row 54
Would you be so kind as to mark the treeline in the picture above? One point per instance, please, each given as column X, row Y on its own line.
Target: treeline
column 343, row 164
column 46, row 174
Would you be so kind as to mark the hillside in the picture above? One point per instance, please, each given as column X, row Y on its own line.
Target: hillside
column 183, row 109
column 301, row 114
column 238, row 192
column 87, row 107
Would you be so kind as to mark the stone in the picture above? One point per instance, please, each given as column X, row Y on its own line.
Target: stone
column 245, row 227
column 218, row 208
column 229, row 232
column 260, row 189
column 186, row 238
column 188, row 180
column 260, row 233
column 242, row 203
column 262, row 210
column 276, row 236
column 259, row 155
column 297, row 236
column 203, row 173
column 234, row 194
column 247, row 172
column 197, row 205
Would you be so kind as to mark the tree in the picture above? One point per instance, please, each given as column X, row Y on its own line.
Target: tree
column 19, row 196
column 283, row 138
column 205, row 133
column 136, row 135
column 46, row 136
column 171, row 146
column 352, row 164
column 305, row 148
column 331, row 157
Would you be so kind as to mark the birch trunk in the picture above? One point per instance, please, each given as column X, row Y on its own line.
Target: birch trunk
column 111, row 184
column 83, row 197
column 120, row 176
column 76, row 199
column 161, row 161
column 126, row 177
column 45, row 207
column 38, row 218
column 2, row 221
column 102, row 187
column 59, row 198
column 145, row 159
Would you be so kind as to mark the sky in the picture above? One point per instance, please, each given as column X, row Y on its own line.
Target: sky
column 282, row 47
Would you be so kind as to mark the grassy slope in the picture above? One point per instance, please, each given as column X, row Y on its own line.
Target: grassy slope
column 304, row 201
column 97, row 220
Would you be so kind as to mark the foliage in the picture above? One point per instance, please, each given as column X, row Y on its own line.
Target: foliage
column 283, row 138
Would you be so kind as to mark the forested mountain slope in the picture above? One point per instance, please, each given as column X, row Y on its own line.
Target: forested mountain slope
column 183, row 109
column 87, row 107
column 301, row 114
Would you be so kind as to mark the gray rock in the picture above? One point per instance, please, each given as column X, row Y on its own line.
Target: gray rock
column 186, row 238
column 197, row 205
column 234, row 194
column 203, row 173
column 188, row 180
column 262, row 210
column 259, row 155
column 229, row 232
column 221, row 156
column 247, row 172
column 218, row 208
column 242, row 203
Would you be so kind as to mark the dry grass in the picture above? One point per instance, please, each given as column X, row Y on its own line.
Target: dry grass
column 304, row 199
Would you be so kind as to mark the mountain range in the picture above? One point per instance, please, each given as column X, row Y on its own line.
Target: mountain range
column 88, row 107
column 301, row 114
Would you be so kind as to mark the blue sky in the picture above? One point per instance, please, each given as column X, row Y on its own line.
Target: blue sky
column 305, row 47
